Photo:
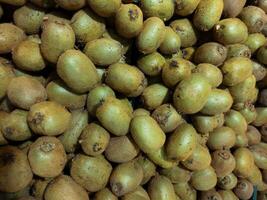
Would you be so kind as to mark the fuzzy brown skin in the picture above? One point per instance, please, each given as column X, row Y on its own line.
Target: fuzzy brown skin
column 15, row 170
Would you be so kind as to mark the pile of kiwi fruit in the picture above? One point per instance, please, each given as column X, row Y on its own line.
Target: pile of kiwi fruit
column 133, row 99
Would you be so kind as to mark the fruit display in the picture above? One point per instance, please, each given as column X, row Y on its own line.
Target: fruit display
column 133, row 99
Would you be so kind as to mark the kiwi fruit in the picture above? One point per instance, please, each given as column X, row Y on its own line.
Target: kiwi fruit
column 3, row 115
column 138, row 194
column 210, row 52
column 24, row 92
column 254, row 135
column 48, row 118
column 248, row 111
column 71, row 5
column 185, row 29
column 56, row 32
column 125, row 178
column 204, row 180
column 86, row 170
column 182, row 142
column 11, row 36
column 185, row 191
column 175, row 70
column 210, row 194
column 14, row 2
column 185, row 7
column 25, row 61
column 232, row 8
column 121, row 149
column 162, row 9
column 81, row 80
column 7, row 74
column 187, row 102
column 263, row 97
column 103, row 51
column 261, row 55
column 15, row 170
column 259, row 71
column 167, row 117
column 105, row 194
column 244, row 162
column 244, row 189
column 261, row 118
column 227, row 195
column 238, row 50
column 254, row 18
column 151, row 64
column 39, row 186
column 105, row 114
column 255, row 41
column 70, row 138
column 171, row 43
column 227, row 182
column 176, row 174
column 151, row 36
column 259, row 154
column 223, row 162
column 129, row 20
column 126, row 79
column 63, row 186
column 230, row 31
column 29, row 18
column 148, row 167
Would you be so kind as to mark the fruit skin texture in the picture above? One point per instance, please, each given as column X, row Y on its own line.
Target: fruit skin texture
column 15, row 170
column 232, row 8
column 191, row 94
column 244, row 162
column 24, row 92
column 86, row 170
column 47, row 157
column 6, row 74
column 65, row 188
column 186, row 7
column 56, row 32
column 125, row 178
column 77, row 71
column 10, row 36
column 105, row 194
column 71, row 5
column 207, row 14
column 139, row 126
column 48, row 118
column 105, row 8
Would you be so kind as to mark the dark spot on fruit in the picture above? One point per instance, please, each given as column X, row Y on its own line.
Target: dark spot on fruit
column 97, row 147
column 38, row 118
column 9, row 131
column 47, row 147
column 174, row 63
column 133, row 14
column 117, row 188
column 7, row 158
column 224, row 155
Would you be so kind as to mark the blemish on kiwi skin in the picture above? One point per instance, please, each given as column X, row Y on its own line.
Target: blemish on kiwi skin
column 117, row 188
column 133, row 14
column 9, row 131
column 97, row 147
column 7, row 158
column 224, row 155
column 47, row 147
column 38, row 118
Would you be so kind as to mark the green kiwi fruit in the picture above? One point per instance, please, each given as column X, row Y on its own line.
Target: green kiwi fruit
column 6, row 74
column 223, row 162
column 94, row 139
column 261, row 55
column 259, row 154
column 200, row 159
column 47, row 157
column 151, row 64
column 3, row 115
column 232, row 8
column 105, row 8
column 182, row 142
column 227, row 182
column 129, row 20
column 210, row 194
column 39, row 186
column 14, row 126
column 139, row 126
column 254, row 18
column 11, row 36
column 126, row 79
column 238, row 50
column 162, row 9
column 105, row 194
column 77, row 71
column 27, row 56
column 188, row 53
column 167, row 117
column 185, row 29
column 244, row 189
column 63, row 186
column 244, row 162
column 255, row 41
column 175, row 70
column 70, row 138
column 29, row 18
column 189, row 102
column 56, row 32
column 24, row 92
column 125, row 178
column 204, row 180
column 221, row 138
column 149, row 168
column 176, row 174
column 207, row 14
column 185, row 191
column 14, row 2
column 15, row 170
column 261, row 118
column 259, row 71
column 138, row 194
column 228, row 195
column 254, row 135
column 171, row 43
column 248, row 111
column 204, row 124
column 151, row 36
column 185, row 7
column 86, row 170
column 230, row 31
column 236, row 70
column 105, row 113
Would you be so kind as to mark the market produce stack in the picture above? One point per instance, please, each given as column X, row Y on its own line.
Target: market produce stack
column 133, row 99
